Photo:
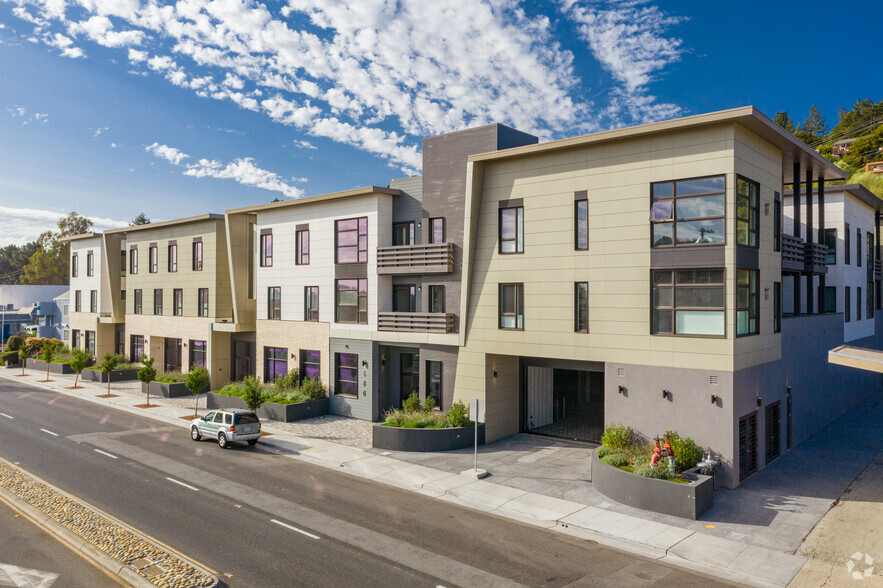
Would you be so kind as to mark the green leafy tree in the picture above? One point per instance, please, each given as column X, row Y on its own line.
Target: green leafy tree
column 109, row 364
column 783, row 120
column 47, row 354
column 865, row 149
column 79, row 362
column 23, row 357
column 147, row 373
column 813, row 128
column 251, row 392
column 49, row 263
column 13, row 259
column 197, row 380
column 863, row 113
column 141, row 219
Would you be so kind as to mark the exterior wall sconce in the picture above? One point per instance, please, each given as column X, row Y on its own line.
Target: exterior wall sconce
column 495, row 372
column 364, row 363
column 759, row 401
column 382, row 360
column 621, row 389
column 766, row 293
column 666, row 394
column 713, row 399
column 292, row 356
column 766, row 209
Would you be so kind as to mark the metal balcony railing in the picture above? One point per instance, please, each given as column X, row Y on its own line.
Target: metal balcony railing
column 878, row 269
column 792, row 253
column 416, row 322
column 815, row 256
column 430, row 258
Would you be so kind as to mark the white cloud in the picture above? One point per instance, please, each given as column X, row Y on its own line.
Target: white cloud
column 136, row 56
column 22, row 113
column 41, row 117
column 21, row 225
column 97, row 132
column 17, row 111
column 170, row 154
column 100, row 30
column 303, row 144
column 113, row 145
column 65, row 45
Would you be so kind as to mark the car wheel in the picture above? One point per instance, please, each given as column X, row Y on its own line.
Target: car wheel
column 222, row 441
column 252, row 441
column 194, row 434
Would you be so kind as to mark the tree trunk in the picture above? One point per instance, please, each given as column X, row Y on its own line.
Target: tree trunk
column 77, row 379
column 148, row 394
column 196, row 406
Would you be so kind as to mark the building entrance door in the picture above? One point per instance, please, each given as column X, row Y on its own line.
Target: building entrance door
column 172, row 355
column 564, row 403
column 410, row 374
column 243, row 359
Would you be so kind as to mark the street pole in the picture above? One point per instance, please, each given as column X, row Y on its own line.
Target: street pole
column 474, row 472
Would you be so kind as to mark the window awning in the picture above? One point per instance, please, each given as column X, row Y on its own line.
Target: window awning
column 857, row 357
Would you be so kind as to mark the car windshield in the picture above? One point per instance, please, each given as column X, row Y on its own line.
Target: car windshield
column 246, row 418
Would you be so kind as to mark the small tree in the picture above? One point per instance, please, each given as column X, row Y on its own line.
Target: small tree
column 23, row 357
column 147, row 374
column 252, row 395
column 109, row 364
column 197, row 379
column 79, row 362
column 46, row 355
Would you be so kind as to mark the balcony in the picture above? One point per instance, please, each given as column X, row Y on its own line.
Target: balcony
column 815, row 257
column 792, row 253
column 878, row 269
column 431, row 258
column 107, row 318
column 799, row 256
column 416, row 322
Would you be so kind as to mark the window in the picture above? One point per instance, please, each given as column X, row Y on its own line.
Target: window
column 847, row 246
column 581, row 225
column 197, row 354
column 858, row 247
column 90, row 342
column 153, row 259
column 436, row 299
column 274, row 303
column 75, row 339
column 133, row 261
column 688, row 212
column 581, row 307
column 267, row 250
column 777, row 307
column 173, row 257
column 858, row 304
column 688, row 302
column 137, row 348
column 346, row 375
column 178, row 302
column 93, row 301
column 78, row 301
column 197, row 256
column 434, row 382
column 157, row 302
column 437, row 230
column 123, row 263
column 773, row 426
column 136, row 302
column 830, row 299
column 747, row 207
column 90, row 264
column 352, row 301
column 310, row 366
column 747, row 302
column 831, row 246
column 202, row 299
column 311, row 303
column 512, row 306
column 777, row 222
column 275, row 363
column 403, row 233
column 404, row 298
column 65, row 310
column 351, row 240
column 75, row 269
column 869, row 255
column 512, row 230
column 847, row 304
column 869, row 300
column 302, row 255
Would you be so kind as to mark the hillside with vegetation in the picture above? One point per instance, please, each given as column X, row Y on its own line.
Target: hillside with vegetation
column 863, row 123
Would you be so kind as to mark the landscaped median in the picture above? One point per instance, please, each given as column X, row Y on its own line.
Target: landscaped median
column 109, row 543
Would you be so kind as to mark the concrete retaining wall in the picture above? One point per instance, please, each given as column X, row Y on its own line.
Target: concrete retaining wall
column 400, row 439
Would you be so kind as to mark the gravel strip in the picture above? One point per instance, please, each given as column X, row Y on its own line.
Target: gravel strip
column 150, row 561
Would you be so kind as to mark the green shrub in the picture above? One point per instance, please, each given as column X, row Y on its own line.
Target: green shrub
column 289, row 381
column 615, row 459
column 429, row 404
column 617, row 437
column 687, row 453
column 251, row 392
column 660, row 472
column 458, row 415
column 171, row 377
column 602, row 451
column 10, row 357
column 14, row 343
column 411, row 403
column 314, row 389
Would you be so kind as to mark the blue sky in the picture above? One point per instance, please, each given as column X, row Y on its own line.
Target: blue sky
column 113, row 107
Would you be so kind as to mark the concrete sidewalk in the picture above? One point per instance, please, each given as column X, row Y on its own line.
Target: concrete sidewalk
column 527, row 473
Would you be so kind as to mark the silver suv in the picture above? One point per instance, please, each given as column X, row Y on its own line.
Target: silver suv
column 226, row 425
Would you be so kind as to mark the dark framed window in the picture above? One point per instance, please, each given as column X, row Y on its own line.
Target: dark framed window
column 830, row 299
column 869, row 255
column 75, row 269
column 773, row 424
column 512, row 230
column 437, row 230
column 93, row 301
column 302, row 255
column 351, row 240
column 275, row 363
column 777, row 307
column 310, row 365
column 90, row 264
column 403, row 233
column 747, row 302
column 581, row 307
column 311, row 303
column 153, row 259
column 831, row 246
column 197, row 354
column 777, row 222
column 352, row 301
column 847, row 246
column 858, row 304
column 581, row 225
column 511, row 307
column 78, row 301
column 197, row 256
column 688, row 302
column 136, row 303
column 869, row 300
column 747, row 211
column 202, row 301
column 847, row 304
column 157, row 302
column 274, row 303
column 123, row 263
column 90, row 342
column 75, row 339
column 133, row 261
column 346, row 374
column 267, row 250
column 434, row 382
column 437, row 298
column 178, row 302
column 173, row 257
column 136, row 348
column 688, row 212
column 858, row 247
column 747, row 446
column 404, row 298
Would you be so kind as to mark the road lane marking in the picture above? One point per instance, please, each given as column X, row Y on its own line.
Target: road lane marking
column 6, row 415
column 295, row 529
column 50, row 432
column 106, row 453
column 194, row 488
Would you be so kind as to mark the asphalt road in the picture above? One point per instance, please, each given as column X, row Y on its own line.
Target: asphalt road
column 263, row 519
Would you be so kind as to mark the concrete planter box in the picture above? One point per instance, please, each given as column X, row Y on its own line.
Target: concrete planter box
column 687, row 501
column 93, row 375
column 54, row 368
column 166, row 390
column 400, row 439
column 285, row 413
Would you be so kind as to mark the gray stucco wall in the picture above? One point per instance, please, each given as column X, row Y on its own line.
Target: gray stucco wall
column 448, row 356
column 364, row 407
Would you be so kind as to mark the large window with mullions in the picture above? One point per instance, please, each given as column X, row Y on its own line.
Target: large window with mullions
column 688, row 302
column 688, row 212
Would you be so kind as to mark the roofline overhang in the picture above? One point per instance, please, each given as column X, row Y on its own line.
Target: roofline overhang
column 857, row 190
column 168, row 223
column 79, row 237
column 365, row 191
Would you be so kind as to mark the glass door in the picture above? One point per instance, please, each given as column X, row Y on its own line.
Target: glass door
column 173, row 355
column 410, row 374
